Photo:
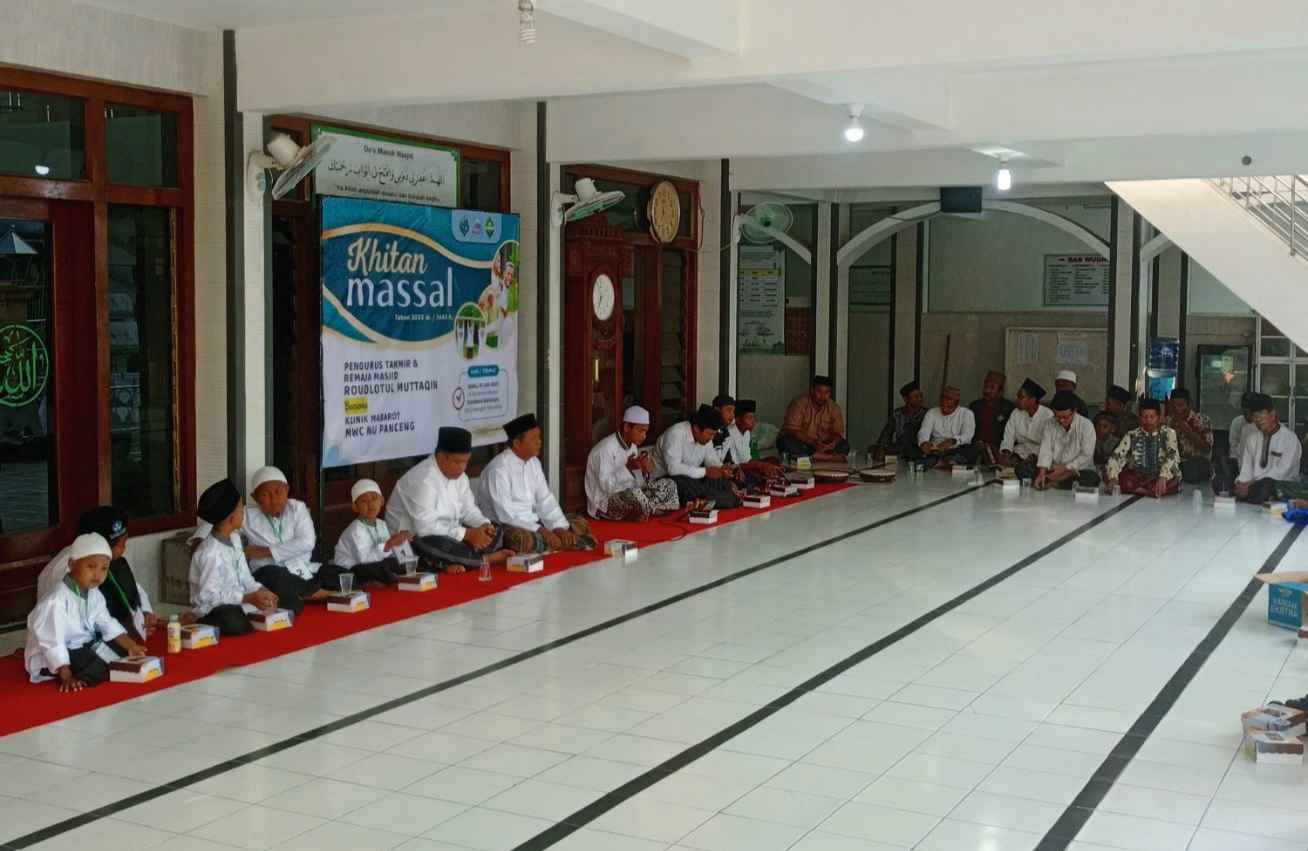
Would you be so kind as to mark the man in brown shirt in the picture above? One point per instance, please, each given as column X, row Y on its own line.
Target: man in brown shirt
column 814, row 425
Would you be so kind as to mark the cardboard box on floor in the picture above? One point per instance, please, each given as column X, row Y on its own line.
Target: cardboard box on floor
column 1285, row 597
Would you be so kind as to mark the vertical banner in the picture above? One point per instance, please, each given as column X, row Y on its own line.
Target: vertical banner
column 761, row 299
column 419, row 327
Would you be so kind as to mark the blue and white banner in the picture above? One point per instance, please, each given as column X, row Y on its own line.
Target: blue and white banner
column 419, row 327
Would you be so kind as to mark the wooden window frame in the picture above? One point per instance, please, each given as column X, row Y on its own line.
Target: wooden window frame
column 95, row 189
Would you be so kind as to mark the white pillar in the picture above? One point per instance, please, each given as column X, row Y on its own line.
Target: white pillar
column 552, row 350
column 906, row 308
column 1123, row 333
column 841, row 297
column 254, row 339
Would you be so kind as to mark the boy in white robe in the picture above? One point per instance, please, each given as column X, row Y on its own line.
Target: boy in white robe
column 367, row 548
column 1025, row 430
column 71, row 637
column 947, row 431
column 126, row 600
column 434, row 501
column 223, row 591
column 618, row 483
column 1269, row 468
column 1067, row 450
column 512, row 491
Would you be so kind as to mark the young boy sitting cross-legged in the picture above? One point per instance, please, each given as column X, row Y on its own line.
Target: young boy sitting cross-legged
column 71, row 637
column 222, row 589
column 367, row 548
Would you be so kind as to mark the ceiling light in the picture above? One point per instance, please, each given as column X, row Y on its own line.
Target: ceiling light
column 1003, row 177
column 42, row 169
column 526, row 21
column 854, row 130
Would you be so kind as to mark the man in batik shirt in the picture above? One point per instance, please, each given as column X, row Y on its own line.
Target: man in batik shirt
column 1147, row 462
column 1194, row 433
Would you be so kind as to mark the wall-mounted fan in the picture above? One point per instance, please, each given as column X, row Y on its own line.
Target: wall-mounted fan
column 587, row 202
column 294, row 162
column 764, row 224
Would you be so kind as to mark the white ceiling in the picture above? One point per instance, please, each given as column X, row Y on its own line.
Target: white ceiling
column 238, row 14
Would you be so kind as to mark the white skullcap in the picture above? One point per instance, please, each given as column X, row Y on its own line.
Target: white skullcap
column 90, row 544
column 263, row 475
column 362, row 487
column 636, row 415
column 1066, row 375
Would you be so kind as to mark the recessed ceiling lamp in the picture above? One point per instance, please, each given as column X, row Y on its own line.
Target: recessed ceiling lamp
column 1004, row 176
column 526, row 22
column 854, row 130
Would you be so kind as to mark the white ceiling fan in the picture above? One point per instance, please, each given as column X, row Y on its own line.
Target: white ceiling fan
column 284, row 155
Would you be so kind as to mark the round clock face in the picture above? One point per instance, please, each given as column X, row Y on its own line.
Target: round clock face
column 602, row 297
column 664, row 212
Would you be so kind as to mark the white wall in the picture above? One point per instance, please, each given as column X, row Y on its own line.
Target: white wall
column 61, row 37
column 996, row 262
column 1210, row 297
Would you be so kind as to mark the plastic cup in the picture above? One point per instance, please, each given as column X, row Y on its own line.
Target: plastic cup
column 347, row 583
column 410, row 566
column 485, row 575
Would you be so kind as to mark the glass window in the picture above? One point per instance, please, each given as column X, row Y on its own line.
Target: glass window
column 27, row 459
column 673, row 390
column 142, row 371
column 42, row 135
column 141, row 146
column 479, row 184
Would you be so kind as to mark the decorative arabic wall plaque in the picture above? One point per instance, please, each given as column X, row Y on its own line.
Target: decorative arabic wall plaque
column 364, row 165
column 24, row 366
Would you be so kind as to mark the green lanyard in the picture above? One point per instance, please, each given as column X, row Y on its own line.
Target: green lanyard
column 376, row 536
column 122, row 595
column 276, row 527
column 84, row 606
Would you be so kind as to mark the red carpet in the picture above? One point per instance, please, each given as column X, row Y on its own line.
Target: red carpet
column 27, row 705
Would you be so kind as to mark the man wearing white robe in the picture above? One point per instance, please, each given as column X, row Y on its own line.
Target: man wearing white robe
column 1269, row 468
column 1025, row 430
column 947, row 431
column 618, row 475
column 434, row 501
column 1067, row 449
column 684, row 454
column 512, row 491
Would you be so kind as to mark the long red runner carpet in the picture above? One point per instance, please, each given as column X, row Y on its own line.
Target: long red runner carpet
column 27, row 705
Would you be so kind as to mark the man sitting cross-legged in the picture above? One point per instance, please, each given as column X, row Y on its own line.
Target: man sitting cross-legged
column 1147, row 461
column 434, row 501
column 1067, row 449
column 814, row 426
column 618, row 475
column 1024, row 430
column 512, row 492
column 1269, row 468
column 684, row 454
column 739, row 453
column 899, row 437
column 1194, row 435
column 947, row 430
column 991, row 413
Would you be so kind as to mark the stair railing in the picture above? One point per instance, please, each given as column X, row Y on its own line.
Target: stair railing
column 1280, row 202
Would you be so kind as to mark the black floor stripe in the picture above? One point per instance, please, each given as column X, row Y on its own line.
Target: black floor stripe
column 1069, row 824
column 625, row 792
column 109, row 810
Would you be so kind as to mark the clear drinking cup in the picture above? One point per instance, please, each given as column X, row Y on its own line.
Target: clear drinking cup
column 347, row 582
column 410, row 566
column 485, row 575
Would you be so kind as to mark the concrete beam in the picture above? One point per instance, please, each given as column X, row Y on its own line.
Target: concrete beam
column 691, row 29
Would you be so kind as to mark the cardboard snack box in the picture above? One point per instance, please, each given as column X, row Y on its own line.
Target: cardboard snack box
column 197, row 636
column 1285, row 594
column 531, row 563
column 355, row 601
column 756, row 500
column 1275, row 718
column 272, row 621
column 1086, row 494
column 618, row 548
column 135, row 669
column 1268, row 748
column 703, row 516
column 417, row 582
column 1224, row 502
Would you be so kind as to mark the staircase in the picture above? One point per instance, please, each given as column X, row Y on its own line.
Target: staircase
column 1280, row 202
column 1250, row 233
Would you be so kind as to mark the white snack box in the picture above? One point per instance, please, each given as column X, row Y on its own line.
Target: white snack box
column 625, row 550
column 1268, row 748
column 531, row 563
column 1275, row 718
column 418, row 582
column 135, row 669
column 355, row 601
column 272, row 621
column 1224, row 502
column 703, row 517
column 197, row 636
column 961, row 472
column 1010, row 487
column 756, row 501
column 1087, row 494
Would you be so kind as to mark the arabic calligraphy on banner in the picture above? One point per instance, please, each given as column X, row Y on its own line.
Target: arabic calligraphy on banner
column 361, row 165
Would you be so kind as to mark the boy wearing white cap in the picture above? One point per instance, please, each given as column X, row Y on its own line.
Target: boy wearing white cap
column 71, row 636
column 279, row 541
column 367, row 548
column 618, row 485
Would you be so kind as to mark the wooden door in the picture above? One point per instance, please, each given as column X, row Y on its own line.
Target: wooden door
column 592, row 350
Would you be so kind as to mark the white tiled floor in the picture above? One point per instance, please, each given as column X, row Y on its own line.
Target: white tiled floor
column 974, row 732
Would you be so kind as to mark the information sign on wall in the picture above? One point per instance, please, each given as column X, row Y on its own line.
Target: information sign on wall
column 1076, row 280
column 363, row 165
column 871, row 285
column 761, row 299
column 419, row 327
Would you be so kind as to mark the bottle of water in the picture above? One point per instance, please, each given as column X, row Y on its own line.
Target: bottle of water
column 174, row 634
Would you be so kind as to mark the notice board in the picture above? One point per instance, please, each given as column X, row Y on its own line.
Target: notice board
column 1076, row 280
column 1039, row 354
